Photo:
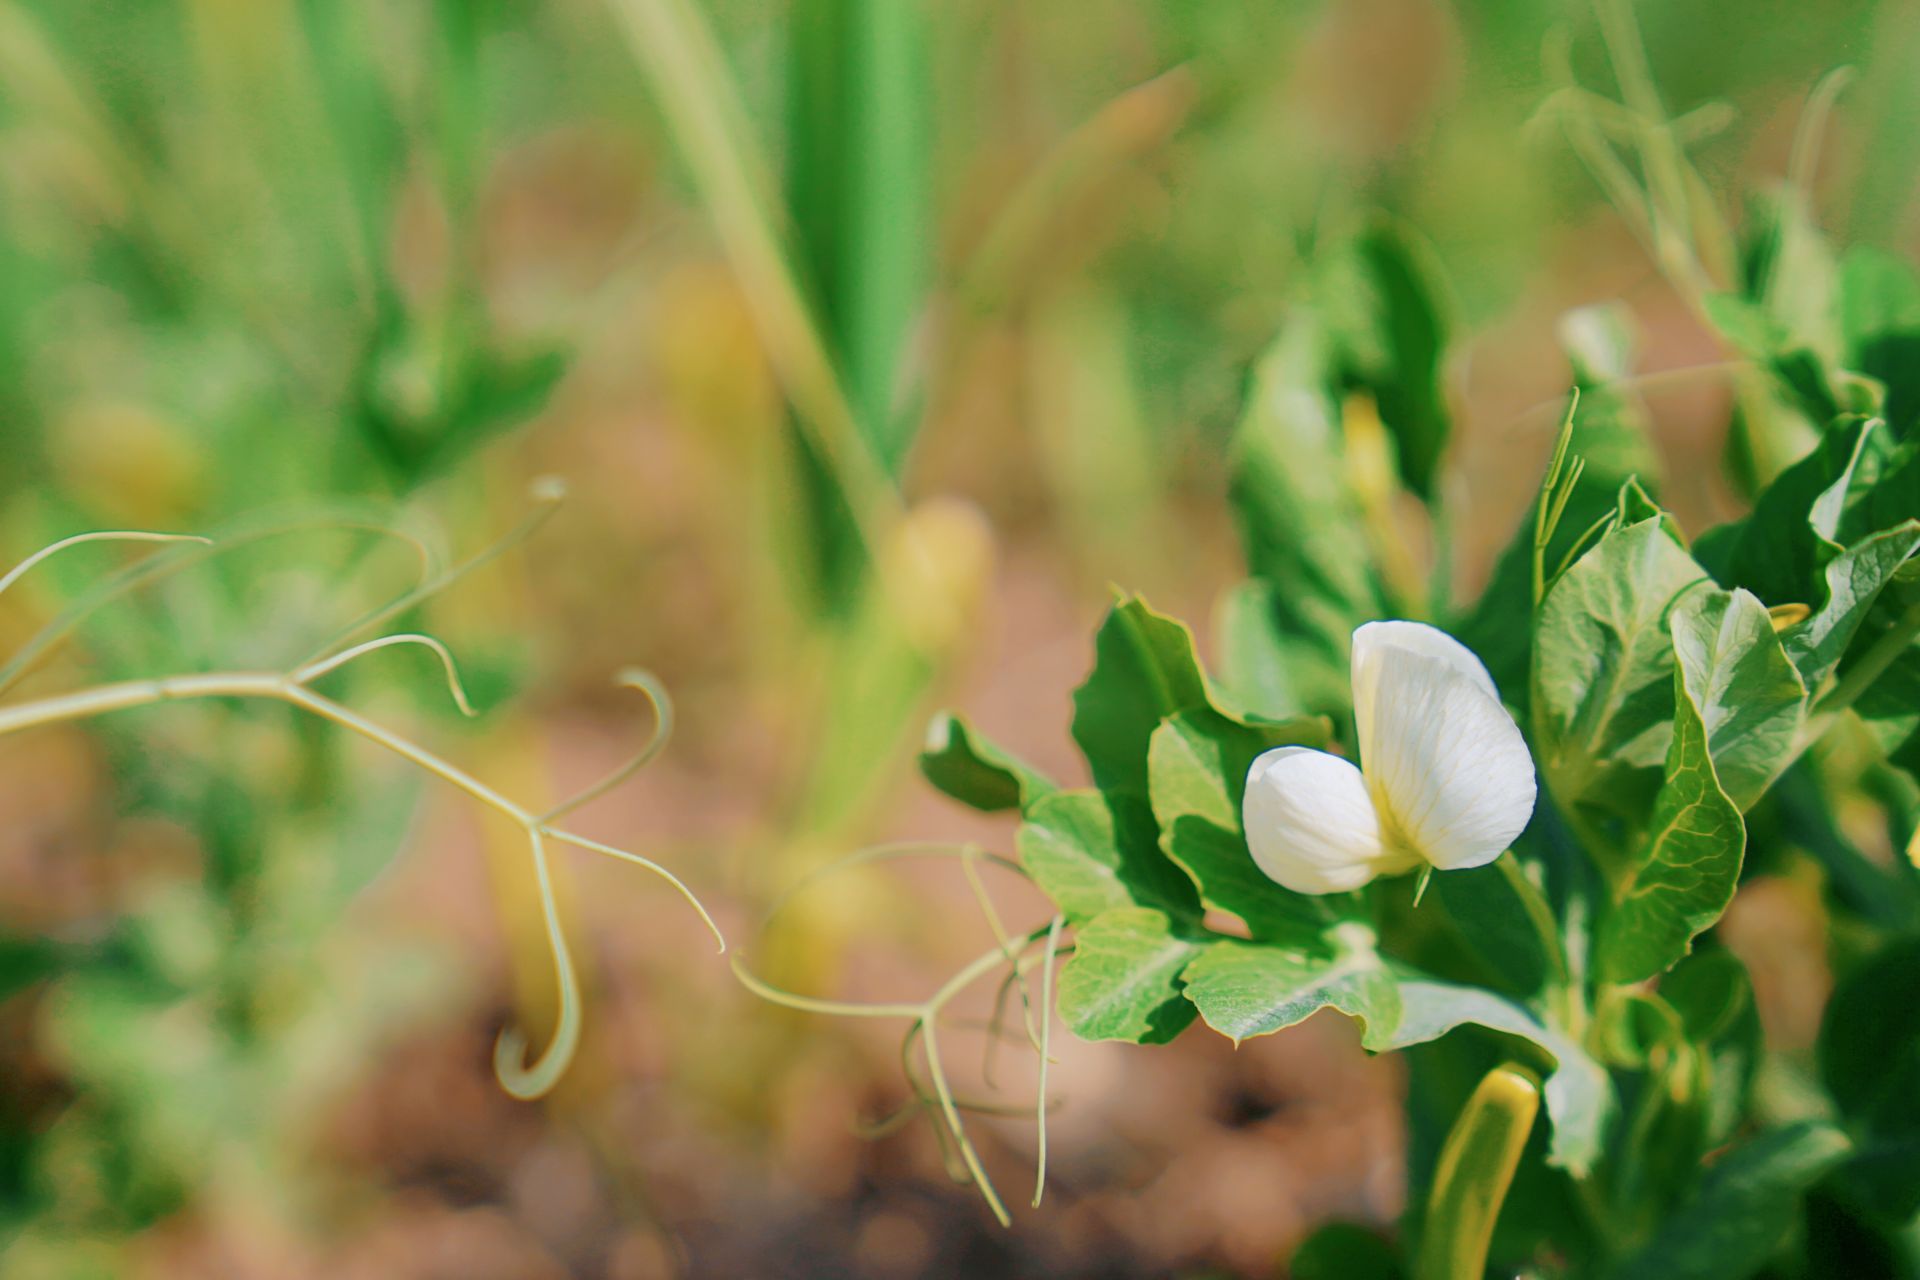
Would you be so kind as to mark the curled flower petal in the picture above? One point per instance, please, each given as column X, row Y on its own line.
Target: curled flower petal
column 1311, row 824
column 1449, row 770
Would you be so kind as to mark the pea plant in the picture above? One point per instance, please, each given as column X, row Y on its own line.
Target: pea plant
column 520, row 1074
column 1499, row 835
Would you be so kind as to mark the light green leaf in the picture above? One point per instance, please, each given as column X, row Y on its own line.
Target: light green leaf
column 1092, row 851
column 976, row 772
column 1689, row 865
column 1744, row 1210
column 1578, row 1092
column 1144, row 670
column 1603, row 657
column 1197, row 766
column 1749, row 693
column 1248, row 989
column 1123, row 982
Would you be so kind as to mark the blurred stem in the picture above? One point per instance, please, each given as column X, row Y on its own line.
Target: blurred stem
column 689, row 76
column 1860, row 676
column 521, row 1079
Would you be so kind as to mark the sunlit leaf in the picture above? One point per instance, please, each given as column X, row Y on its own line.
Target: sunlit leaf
column 1123, row 982
column 1685, row 873
column 1748, row 693
column 1092, row 851
column 1246, row 989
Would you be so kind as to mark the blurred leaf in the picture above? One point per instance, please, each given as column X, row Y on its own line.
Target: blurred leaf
column 1880, row 325
column 1713, row 996
column 976, row 772
column 1870, row 1064
column 1383, row 303
column 1744, row 1210
column 1123, row 982
column 1749, row 695
column 1144, row 669
column 25, row 961
column 1246, row 989
column 1344, row 1251
column 1686, row 871
column 1092, row 851
column 1197, row 765
column 1603, row 658
column 1578, row 1091
column 1301, row 524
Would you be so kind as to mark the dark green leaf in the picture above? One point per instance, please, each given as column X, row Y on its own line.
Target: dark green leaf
column 1853, row 582
column 1383, row 298
column 1343, row 1251
column 1144, row 670
column 1502, row 918
column 1744, row 1210
column 976, row 772
column 1870, row 1064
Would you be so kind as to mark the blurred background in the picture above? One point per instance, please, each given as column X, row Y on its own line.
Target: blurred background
column 874, row 340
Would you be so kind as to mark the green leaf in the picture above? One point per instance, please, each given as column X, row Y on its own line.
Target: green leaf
column 1197, row 766
column 1270, row 666
column 1603, row 657
column 1144, row 670
column 1092, row 851
column 1749, row 694
column 1302, row 526
column 1880, row 324
column 1689, row 865
column 1578, row 1092
column 1501, row 916
column 1870, row 1064
column 1610, row 437
column 1744, row 1210
column 1123, row 982
column 1345, row 1251
column 1245, row 989
column 1713, row 996
column 1777, row 552
column 976, row 772
column 1890, row 709
column 1854, row 580
column 1383, row 299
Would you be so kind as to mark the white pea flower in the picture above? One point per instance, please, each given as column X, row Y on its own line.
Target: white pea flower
column 1447, row 782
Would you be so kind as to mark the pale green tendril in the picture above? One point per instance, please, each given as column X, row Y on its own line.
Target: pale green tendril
column 517, row 1076
column 1012, row 953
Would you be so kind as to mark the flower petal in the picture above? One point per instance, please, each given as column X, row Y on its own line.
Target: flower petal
column 1378, row 642
column 1311, row 823
column 1449, row 770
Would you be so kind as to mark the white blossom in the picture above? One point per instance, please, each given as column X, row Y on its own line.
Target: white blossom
column 1445, row 777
